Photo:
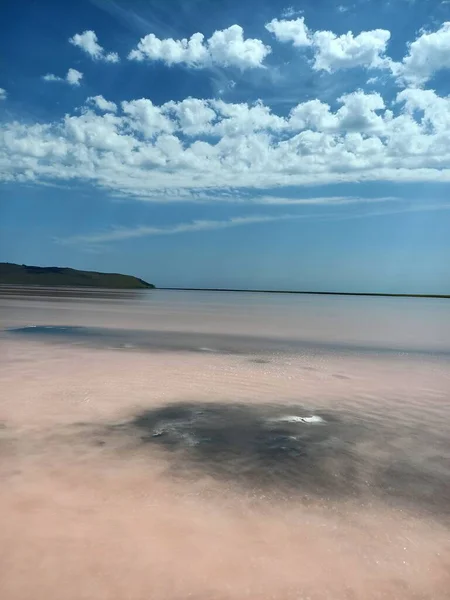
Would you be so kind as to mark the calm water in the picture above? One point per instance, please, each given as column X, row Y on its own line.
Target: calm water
column 177, row 445
column 403, row 324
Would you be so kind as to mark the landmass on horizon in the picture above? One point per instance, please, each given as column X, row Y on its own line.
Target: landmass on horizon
column 14, row 274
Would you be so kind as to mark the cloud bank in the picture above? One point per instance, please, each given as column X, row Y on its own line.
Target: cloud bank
column 176, row 149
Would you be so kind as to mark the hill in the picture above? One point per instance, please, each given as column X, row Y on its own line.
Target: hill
column 13, row 274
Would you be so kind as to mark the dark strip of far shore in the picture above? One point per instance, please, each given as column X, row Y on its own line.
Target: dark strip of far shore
column 384, row 295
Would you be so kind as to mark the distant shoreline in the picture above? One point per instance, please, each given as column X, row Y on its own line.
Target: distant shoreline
column 307, row 293
column 63, row 277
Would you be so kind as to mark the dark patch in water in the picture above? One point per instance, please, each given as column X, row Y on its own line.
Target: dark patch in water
column 254, row 445
column 257, row 447
column 155, row 341
column 259, row 361
column 55, row 330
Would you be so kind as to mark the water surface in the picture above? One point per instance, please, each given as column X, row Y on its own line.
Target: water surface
column 177, row 445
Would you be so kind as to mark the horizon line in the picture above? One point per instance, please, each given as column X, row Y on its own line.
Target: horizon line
column 384, row 294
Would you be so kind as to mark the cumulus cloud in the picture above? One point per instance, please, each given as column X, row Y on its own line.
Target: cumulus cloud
column 427, row 55
column 146, row 118
column 332, row 52
column 73, row 77
column 88, row 42
column 241, row 119
column 102, row 104
column 359, row 113
column 3, row 94
column 347, row 51
column 227, row 48
column 294, row 31
column 195, row 116
column 199, row 148
column 435, row 110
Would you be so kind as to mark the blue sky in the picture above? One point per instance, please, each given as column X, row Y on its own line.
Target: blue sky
column 229, row 144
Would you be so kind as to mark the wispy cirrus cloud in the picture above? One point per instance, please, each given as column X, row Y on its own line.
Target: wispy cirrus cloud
column 118, row 234
column 290, row 11
column 121, row 233
column 320, row 201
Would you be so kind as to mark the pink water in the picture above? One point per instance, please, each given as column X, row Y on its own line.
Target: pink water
column 91, row 510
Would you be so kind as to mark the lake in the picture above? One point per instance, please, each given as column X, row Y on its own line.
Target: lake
column 223, row 445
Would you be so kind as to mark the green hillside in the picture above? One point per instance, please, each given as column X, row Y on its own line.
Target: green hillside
column 56, row 276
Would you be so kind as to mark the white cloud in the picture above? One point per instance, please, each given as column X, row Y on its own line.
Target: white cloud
column 90, row 134
column 146, row 118
column 194, row 116
column 294, row 31
column 170, row 51
column 435, row 110
column 332, row 52
column 73, row 77
column 102, row 104
column 227, row 48
column 52, row 77
column 88, row 42
column 209, row 149
column 314, row 115
column 347, row 51
column 427, row 55
column 290, row 11
column 359, row 112
column 3, row 94
column 241, row 119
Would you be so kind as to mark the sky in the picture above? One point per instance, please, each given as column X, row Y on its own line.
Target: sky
column 213, row 143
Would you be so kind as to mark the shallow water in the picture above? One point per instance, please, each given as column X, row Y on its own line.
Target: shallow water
column 173, row 445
